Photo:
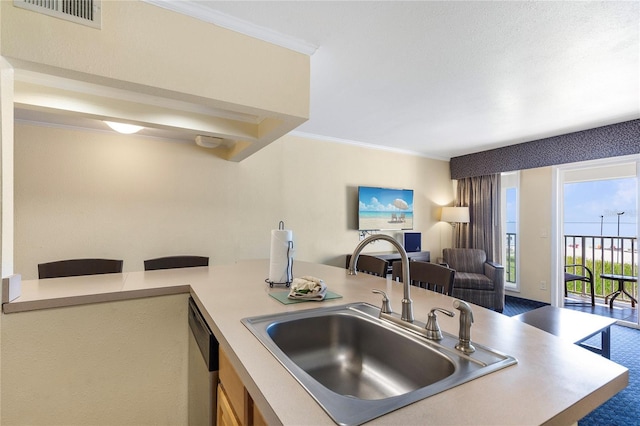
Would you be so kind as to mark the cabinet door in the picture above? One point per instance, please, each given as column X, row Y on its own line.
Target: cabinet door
column 236, row 398
column 257, row 419
column 232, row 386
column 225, row 415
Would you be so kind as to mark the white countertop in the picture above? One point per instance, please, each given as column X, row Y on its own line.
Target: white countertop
column 554, row 382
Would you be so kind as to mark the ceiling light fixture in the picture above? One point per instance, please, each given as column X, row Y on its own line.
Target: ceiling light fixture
column 208, row 141
column 127, row 129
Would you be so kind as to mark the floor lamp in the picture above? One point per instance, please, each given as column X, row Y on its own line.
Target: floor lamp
column 454, row 215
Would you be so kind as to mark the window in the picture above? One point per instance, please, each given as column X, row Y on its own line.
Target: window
column 510, row 183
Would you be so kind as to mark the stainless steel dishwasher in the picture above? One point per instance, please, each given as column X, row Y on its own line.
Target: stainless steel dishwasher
column 203, row 369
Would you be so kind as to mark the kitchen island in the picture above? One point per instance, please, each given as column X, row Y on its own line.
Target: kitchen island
column 548, row 385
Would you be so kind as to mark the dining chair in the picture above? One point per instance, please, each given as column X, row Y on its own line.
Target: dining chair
column 370, row 265
column 427, row 275
column 571, row 273
column 173, row 262
column 77, row 267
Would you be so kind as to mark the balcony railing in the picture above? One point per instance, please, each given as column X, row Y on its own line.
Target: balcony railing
column 602, row 255
column 512, row 255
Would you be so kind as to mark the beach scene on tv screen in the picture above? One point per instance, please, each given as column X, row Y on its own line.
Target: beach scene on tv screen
column 385, row 209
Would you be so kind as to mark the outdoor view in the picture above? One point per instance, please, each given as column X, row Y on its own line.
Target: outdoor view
column 600, row 232
column 600, row 227
column 592, row 208
column 598, row 207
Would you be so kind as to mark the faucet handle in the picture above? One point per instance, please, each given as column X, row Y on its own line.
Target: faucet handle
column 432, row 327
column 386, row 303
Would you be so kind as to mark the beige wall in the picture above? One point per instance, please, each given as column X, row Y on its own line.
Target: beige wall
column 90, row 194
column 117, row 363
column 534, row 234
column 149, row 49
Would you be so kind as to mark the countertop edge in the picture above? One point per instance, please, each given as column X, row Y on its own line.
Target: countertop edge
column 34, row 305
column 575, row 413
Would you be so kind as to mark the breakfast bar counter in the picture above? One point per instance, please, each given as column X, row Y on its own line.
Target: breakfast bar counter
column 548, row 385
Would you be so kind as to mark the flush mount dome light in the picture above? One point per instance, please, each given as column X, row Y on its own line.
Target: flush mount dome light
column 127, row 129
column 208, row 141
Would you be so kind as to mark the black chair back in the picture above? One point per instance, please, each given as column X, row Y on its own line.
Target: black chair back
column 427, row 275
column 579, row 272
column 173, row 262
column 77, row 267
column 370, row 265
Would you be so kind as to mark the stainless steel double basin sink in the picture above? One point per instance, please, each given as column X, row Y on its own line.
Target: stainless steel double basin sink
column 358, row 367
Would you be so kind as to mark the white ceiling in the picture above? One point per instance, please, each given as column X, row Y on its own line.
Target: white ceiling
column 448, row 78
column 443, row 78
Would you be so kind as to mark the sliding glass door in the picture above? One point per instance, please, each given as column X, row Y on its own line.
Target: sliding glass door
column 597, row 224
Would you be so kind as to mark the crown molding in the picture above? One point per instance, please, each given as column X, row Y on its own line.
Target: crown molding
column 318, row 137
column 207, row 14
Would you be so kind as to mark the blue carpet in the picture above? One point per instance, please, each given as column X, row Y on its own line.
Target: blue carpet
column 515, row 305
column 624, row 408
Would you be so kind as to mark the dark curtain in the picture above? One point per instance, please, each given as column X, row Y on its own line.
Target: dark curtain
column 484, row 231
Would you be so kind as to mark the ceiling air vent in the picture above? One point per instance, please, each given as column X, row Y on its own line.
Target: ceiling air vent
column 86, row 12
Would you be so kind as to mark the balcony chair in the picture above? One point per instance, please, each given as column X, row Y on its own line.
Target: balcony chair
column 476, row 280
column 173, row 262
column 370, row 265
column 427, row 275
column 571, row 274
column 77, row 267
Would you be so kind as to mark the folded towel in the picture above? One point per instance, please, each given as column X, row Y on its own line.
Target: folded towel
column 307, row 288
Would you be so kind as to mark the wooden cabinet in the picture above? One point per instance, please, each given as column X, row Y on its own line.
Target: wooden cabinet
column 225, row 416
column 235, row 406
column 257, row 419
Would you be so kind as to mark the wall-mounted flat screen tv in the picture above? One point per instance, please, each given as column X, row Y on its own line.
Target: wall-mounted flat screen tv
column 384, row 209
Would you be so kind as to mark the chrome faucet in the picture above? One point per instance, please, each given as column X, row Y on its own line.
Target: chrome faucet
column 466, row 319
column 407, row 304
column 432, row 327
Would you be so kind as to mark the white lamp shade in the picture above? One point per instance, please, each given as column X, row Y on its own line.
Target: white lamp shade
column 455, row 214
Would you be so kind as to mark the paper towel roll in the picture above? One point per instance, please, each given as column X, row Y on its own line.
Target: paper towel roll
column 281, row 260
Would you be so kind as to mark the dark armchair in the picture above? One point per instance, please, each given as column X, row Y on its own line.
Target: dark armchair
column 476, row 280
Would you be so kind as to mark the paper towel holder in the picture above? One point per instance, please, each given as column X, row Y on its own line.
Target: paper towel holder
column 289, row 262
